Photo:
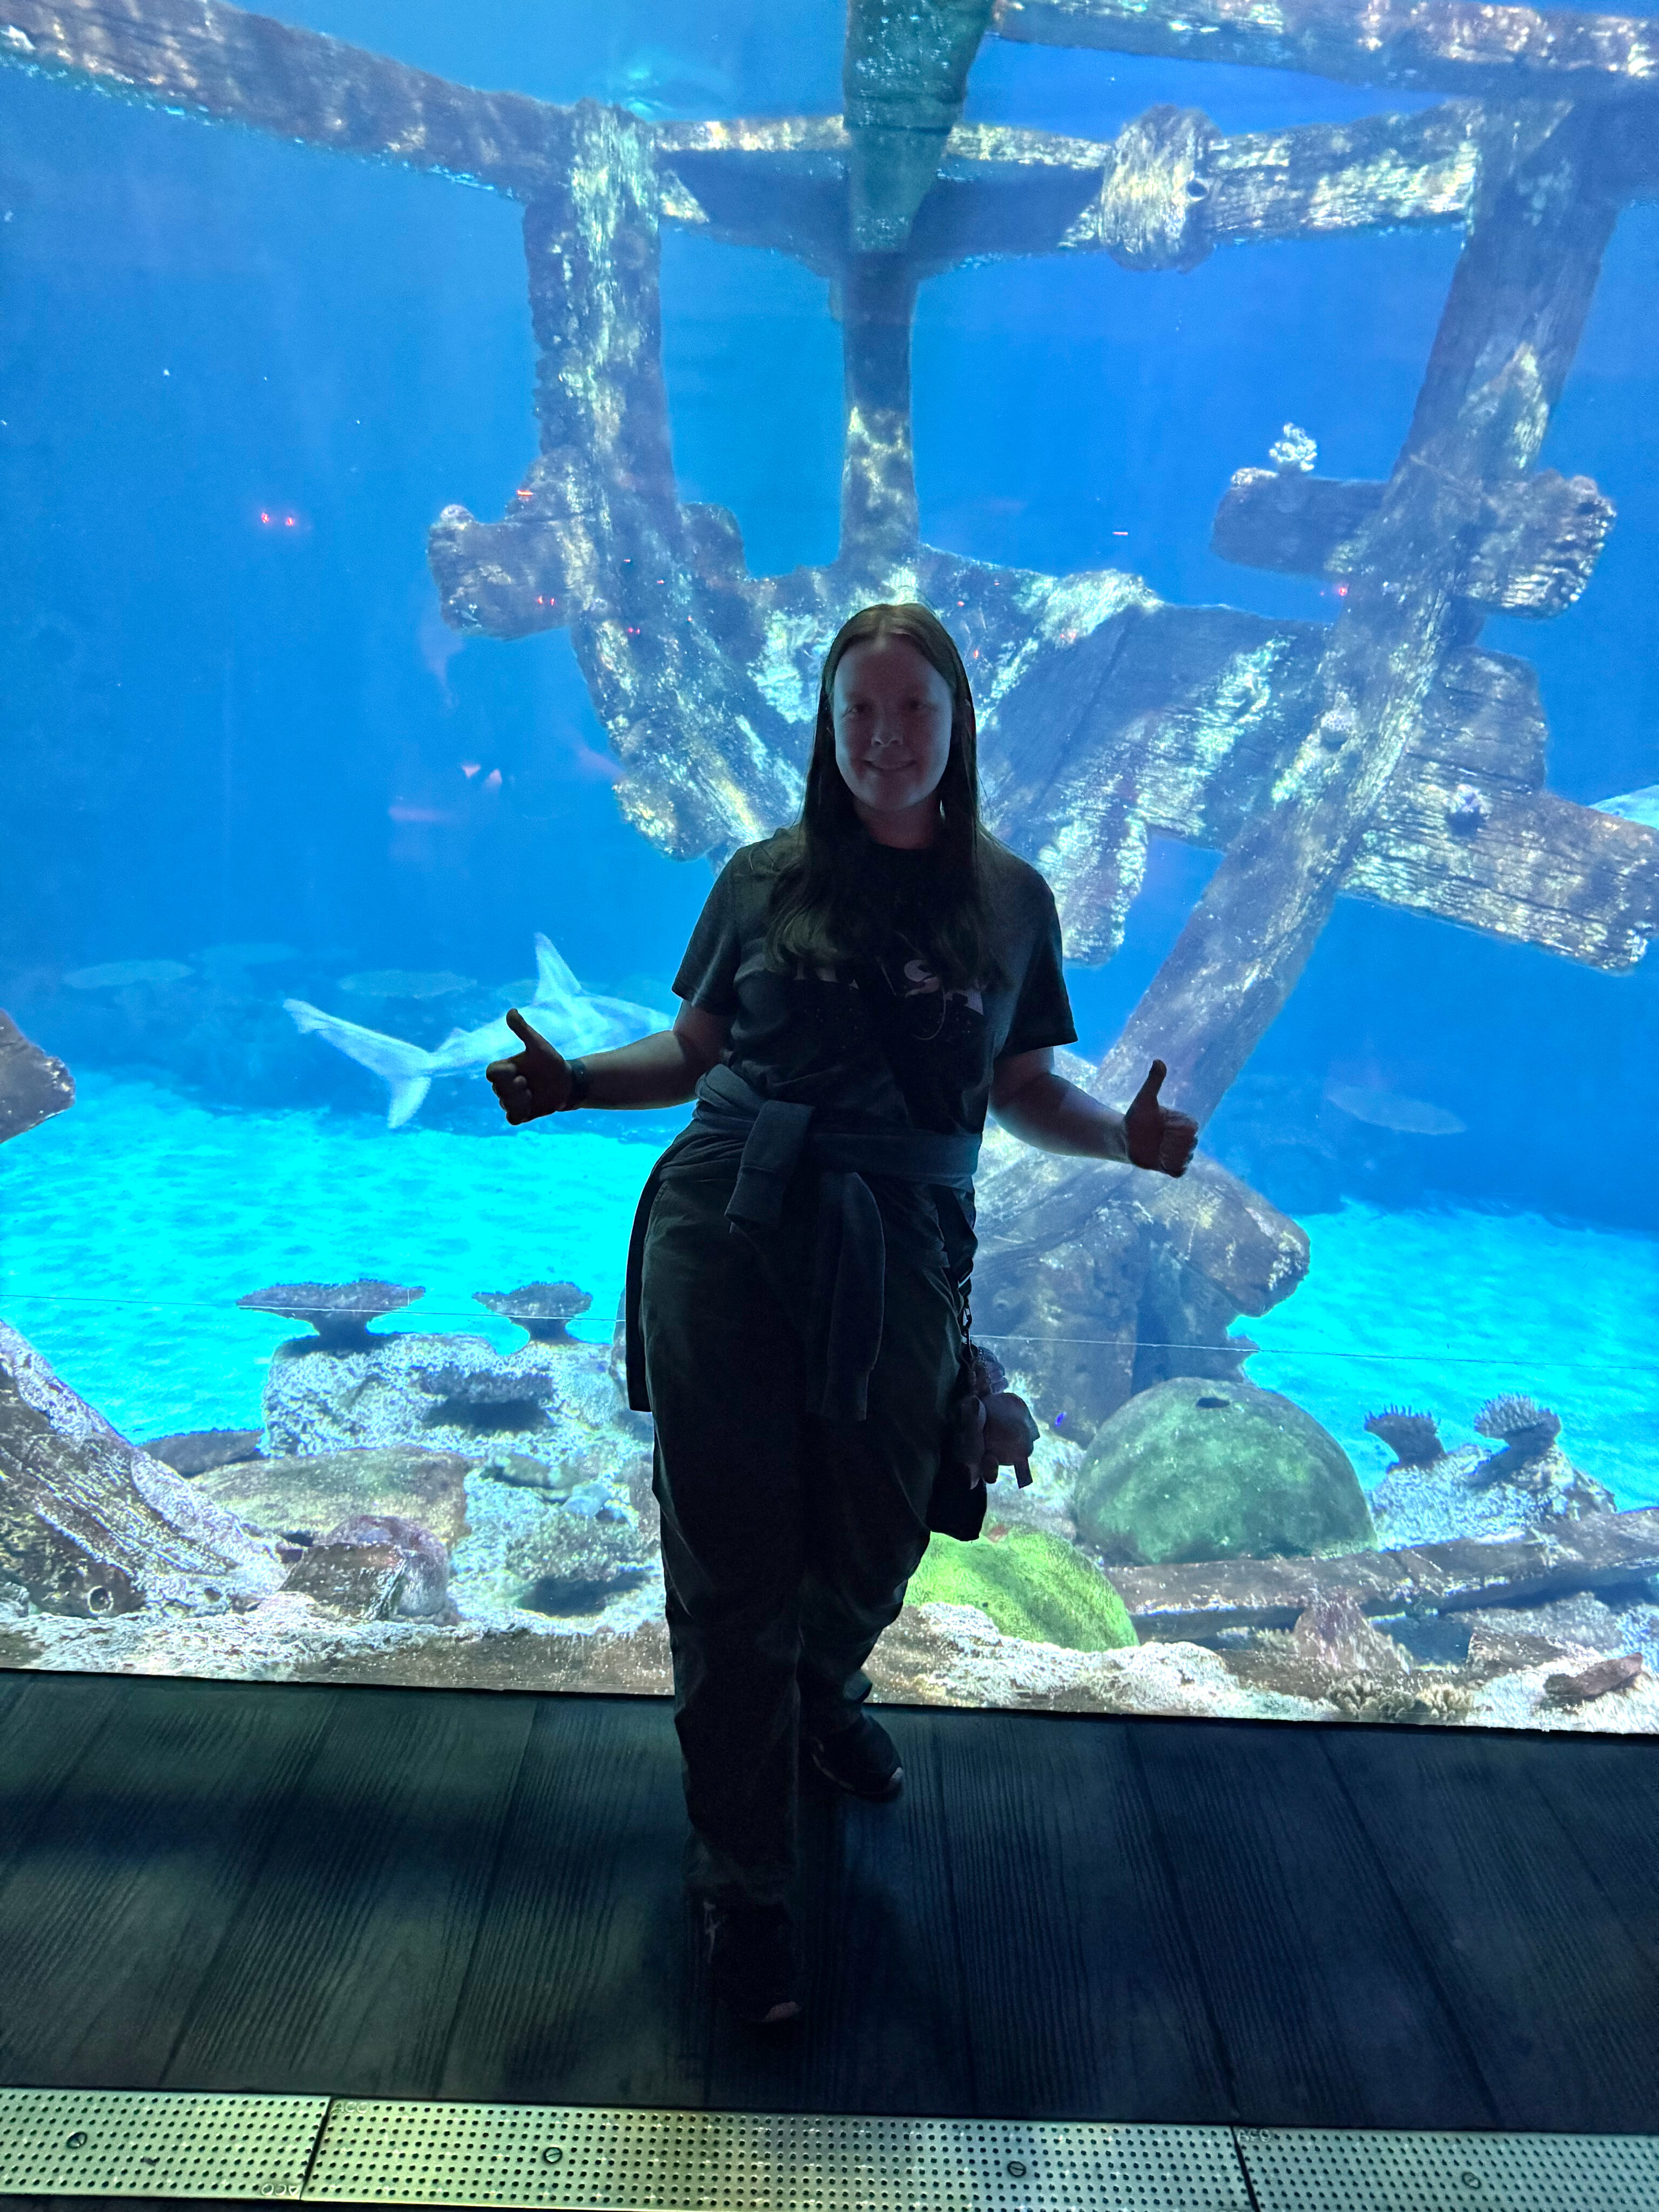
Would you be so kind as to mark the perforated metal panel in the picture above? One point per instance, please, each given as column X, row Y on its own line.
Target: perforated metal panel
column 142, row 2142
column 1313, row 2170
column 581, row 2159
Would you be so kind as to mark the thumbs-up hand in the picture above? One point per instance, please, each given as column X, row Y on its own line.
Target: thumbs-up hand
column 533, row 1082
column 1158, row 1136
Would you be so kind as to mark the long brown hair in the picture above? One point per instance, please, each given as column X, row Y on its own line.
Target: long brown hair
column 820, row 908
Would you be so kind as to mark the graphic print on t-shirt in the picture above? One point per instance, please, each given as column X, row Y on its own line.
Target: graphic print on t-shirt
column 934, row 1039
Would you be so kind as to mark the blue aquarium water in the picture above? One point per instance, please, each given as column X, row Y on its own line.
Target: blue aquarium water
column 134, row 1301
column 398, row 629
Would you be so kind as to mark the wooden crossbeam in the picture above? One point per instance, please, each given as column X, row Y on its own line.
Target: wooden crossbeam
column 1531, row 553
column 1469, row 46
column 196, row 58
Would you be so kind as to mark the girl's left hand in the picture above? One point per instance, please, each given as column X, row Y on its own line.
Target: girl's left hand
column 1158, row 1136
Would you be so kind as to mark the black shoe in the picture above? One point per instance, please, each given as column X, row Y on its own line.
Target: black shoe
column 753, row 1961
column 860, row 1759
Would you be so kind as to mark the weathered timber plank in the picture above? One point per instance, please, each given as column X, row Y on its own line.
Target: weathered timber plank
column 1321, row 178
column 1446, row 45
column 903, row 74
column 1002, row 191
column 1532, row 552
column 878, row 515
column 1538, row 870
column 594, row 537
column 1180, row 1602
column 1511, row 324
column 235, row 67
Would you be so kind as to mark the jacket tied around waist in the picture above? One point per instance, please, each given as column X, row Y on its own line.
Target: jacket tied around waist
column 767, row 1141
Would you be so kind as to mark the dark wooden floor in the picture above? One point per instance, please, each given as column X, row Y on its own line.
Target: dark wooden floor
column 394, row 1893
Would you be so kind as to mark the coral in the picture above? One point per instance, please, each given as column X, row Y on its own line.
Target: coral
column 1411, row 1438
column 540, row 1309
column 339, row 1312
column 1033, row 1585
column 1531, row 1459
column 1517, row 1420
column 1184, row 1472
column 1360, row 1698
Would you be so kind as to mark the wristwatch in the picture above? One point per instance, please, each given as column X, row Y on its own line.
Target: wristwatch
column 581, row 1082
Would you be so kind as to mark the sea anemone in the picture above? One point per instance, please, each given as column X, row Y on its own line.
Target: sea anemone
column 540, row 1309
column 1411, row 1438
column 339, row 1312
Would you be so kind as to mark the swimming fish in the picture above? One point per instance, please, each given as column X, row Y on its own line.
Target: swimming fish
column 574, row 1020
column 1387, row 1110
column 115, row 974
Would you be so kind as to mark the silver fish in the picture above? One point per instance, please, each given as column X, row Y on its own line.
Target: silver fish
column 573, row 1020
column 1387, row 1110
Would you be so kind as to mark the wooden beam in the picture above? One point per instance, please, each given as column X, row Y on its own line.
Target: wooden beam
column 1179, row 1602
column 1467, row 46
column 1533, row 546
column 875, row 299
column 904, row 73
column 221, row 63
column 1512, row 320
column 1162, row 194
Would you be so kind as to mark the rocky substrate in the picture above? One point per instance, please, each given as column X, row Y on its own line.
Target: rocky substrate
column 932, row 1655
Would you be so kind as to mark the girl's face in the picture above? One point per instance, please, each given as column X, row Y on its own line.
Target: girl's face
column 892, row 718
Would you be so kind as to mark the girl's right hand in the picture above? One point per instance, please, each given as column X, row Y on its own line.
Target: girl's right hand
column 533, row 1082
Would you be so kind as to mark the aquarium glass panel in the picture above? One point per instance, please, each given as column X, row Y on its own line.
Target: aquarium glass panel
column 438, row 449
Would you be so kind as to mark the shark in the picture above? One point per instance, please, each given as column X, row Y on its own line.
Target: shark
column 574, row 1021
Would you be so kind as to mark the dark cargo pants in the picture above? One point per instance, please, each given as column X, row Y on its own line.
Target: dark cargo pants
column 787, row 1539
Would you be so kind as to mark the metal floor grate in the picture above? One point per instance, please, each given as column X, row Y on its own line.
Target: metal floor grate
column 152, row 2143
column 1319, row 2170
column 90, row 2143
column 587, row 2160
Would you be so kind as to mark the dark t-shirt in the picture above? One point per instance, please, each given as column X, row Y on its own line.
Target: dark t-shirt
column 879, row 1042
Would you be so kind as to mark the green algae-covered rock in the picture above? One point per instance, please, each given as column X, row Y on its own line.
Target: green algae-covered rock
column 1197, row 1470
column 1034, row 1586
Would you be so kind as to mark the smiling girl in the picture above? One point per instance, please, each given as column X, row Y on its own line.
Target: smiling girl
column 860, row 988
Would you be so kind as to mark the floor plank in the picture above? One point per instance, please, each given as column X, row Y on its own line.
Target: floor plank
column 1541, row 1971
column 1082, row 1993
column 887, row 2029
column 1604, row 1792
column 361, row 1892
column 341, row 1974
column 51, row 1724
column 1324, row 2005
column 575, row 1992
column 139, row 1862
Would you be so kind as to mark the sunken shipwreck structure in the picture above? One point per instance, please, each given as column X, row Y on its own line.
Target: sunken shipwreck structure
column 1385, row 755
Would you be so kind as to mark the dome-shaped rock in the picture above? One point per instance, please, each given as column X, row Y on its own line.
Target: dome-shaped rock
column 1197, row 1470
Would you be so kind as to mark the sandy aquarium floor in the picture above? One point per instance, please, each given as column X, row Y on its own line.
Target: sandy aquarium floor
column 129, row 1226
